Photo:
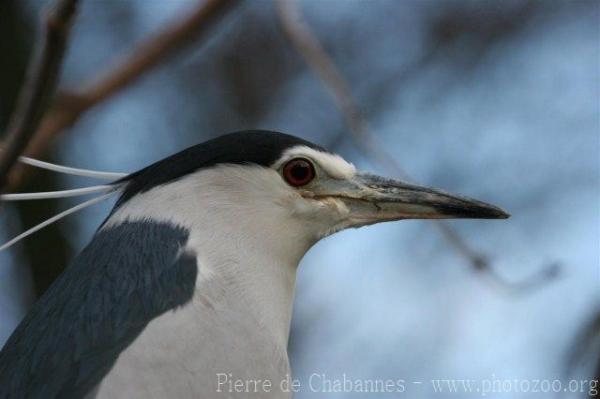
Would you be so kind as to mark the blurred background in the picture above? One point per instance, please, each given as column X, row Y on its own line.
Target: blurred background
column 495, row 100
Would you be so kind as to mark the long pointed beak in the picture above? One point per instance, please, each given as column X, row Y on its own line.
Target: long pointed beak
column 374, row 199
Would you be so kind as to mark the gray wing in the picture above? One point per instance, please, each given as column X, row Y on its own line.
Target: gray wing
column 71, row 338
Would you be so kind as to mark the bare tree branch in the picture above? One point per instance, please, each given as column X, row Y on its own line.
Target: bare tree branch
column 310, row 48
column 316, row 57
column 69, row 106
column 152, row 51
column 40, row 84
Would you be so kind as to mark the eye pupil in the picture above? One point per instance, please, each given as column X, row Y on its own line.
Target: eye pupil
column 298, row 172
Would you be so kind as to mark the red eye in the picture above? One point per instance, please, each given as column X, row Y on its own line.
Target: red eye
column 298, row 172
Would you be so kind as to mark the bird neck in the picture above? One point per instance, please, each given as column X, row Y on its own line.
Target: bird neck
column 245, row 243
column 257, row 270
column 255, row 281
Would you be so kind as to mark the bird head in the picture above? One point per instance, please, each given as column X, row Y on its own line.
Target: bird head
column 329, row 191
column 281, row 187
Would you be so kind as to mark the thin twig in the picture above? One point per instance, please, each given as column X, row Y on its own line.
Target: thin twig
column 321, row 63
column 310, row 48
column 69, row 106
column 586, row 348
column 40, row 84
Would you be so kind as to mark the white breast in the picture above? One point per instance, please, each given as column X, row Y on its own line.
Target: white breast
column 183, row 353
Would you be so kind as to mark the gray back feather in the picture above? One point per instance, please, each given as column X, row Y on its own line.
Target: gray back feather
column 71, row 338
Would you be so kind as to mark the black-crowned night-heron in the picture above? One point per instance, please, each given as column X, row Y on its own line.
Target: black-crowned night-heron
column 189, row 282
